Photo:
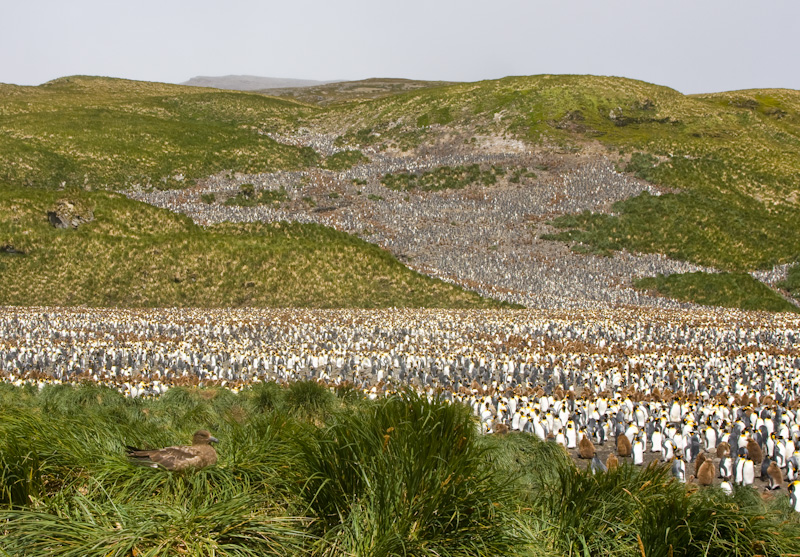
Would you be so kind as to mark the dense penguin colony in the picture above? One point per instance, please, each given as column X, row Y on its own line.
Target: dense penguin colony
column 611, row 373
column 676, row 385
column 486, row 239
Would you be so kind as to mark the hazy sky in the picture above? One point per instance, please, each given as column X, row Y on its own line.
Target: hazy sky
column 691, row 45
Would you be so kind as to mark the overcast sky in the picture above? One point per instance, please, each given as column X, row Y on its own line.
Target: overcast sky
column 693, row 46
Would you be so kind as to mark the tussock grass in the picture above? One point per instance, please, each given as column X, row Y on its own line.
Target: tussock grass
column 729, row 232
column 344, row 160
column 406, row 476
column 309, row 399
column 85, row 527
column 402, row 475
column 248, row 198
column 633, row 511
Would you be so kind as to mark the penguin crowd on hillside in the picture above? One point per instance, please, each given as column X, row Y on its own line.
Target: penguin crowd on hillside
column 487, row 239
column 714, row 393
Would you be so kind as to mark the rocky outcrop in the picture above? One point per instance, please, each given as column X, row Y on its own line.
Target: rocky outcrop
column 69, row 214
column 9, row 248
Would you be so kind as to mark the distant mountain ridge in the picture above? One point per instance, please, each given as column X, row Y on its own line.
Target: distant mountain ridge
column 249, row 82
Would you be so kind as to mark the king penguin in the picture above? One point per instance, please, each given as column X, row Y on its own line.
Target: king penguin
column 794, row 497
column 705, row 474
column 586, row 448
column 748, row 472
column 623, row 446
column 679, row 469
column 638, row 450
column 775, row 476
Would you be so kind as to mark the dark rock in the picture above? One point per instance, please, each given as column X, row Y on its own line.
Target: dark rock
column 8, row 248
column 67, row 214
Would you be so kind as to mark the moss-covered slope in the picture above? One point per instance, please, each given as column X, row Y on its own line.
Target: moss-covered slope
column 113, row 133
column 134, row 255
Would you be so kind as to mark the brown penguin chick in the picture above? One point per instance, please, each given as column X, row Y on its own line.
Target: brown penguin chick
column 775, row 476
column 612, row 462
column 197, row 455
column 623, row 446
column 586, row 448
column 701, row 458
column 706, row 473
column 723, row 449
column 500, row 429
column 754, row 452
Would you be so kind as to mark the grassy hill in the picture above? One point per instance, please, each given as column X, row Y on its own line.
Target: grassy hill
column 345, row 91
column 112, row 133
column 737, row 148
column 729, row 162
column 135, row 255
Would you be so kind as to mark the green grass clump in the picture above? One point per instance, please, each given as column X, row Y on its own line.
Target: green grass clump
column 309, row 399
column 68, row 490
column 792, row 282
column 642, row 165
column 406, row 476
column 723, row 231
column 442, row 178
column 633, row 511
column 344, row 160
column 135, row 255
column 519, row 173
column 84, row 527
column 247, row 197
column 733, row 290
column 441, row 116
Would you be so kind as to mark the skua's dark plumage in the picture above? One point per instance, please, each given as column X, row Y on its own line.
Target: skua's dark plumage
column 199, row 454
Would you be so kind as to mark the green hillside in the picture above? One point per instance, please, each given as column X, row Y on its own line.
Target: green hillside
column 729, row 163
column 733, row 159
column 737, row 290
column 112, row 133
column 346, row 91
column 135, row 255
column 694, row 138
